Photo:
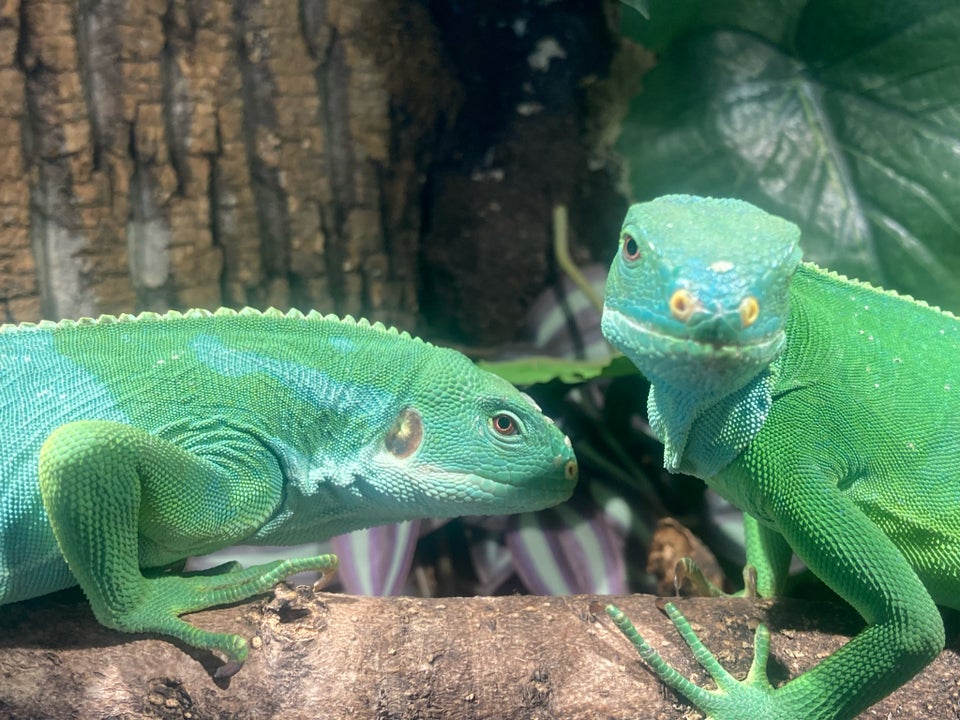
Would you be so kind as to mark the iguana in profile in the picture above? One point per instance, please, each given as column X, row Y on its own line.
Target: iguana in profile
column 828, row 410
column 131, row 443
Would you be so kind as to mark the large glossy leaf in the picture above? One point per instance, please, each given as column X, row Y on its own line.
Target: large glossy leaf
column 843, row 117
column 539, row 369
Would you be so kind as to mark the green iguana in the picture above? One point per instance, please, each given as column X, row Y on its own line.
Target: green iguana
column 828, row 410
column 131, row 443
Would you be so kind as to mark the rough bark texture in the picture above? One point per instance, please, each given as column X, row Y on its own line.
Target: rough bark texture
column 197, row 153
column 311, row 153
column 338, row 656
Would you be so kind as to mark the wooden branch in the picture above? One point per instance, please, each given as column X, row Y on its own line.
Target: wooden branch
column 339, row 656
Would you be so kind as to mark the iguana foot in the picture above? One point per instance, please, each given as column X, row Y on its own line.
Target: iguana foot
column 751, row 697
column 163, row 599
column 688, row 572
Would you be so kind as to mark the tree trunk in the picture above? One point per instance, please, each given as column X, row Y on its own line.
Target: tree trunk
column 339, row 656
column 178, row 154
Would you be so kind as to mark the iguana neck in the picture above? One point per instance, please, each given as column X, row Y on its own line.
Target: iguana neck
column 703, row 434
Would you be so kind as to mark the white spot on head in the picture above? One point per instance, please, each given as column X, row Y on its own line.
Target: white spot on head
column 721, row 266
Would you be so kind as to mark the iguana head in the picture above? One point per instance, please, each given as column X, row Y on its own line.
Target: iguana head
column 371, row 426
column 698, row 295
column 468, row 442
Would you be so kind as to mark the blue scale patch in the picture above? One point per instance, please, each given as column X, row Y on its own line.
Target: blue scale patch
column 42, row 390
column 360, row 405
column 313, row 386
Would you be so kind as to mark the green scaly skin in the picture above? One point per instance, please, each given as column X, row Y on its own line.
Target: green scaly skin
column 132, row 443
column 828, row 410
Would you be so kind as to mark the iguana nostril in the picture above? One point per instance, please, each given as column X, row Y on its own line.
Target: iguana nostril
column 683, row 304
column 749, row 311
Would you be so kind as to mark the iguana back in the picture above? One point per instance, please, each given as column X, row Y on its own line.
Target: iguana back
column 876, row 378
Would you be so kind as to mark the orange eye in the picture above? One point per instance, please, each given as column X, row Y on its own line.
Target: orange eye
column 504, row 424
column 631, row 250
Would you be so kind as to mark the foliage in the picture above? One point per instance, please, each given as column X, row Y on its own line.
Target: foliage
column 537, row 369
column 842, row 117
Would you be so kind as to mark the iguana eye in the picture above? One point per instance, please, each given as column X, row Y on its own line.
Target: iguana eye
column 631, row 250
column 504, row 424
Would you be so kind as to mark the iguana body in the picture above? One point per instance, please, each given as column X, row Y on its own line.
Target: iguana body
column 133, row 443
column 828, row 410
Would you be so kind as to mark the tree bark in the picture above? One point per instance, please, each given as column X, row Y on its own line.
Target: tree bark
column 176, row 154
column 338, row 656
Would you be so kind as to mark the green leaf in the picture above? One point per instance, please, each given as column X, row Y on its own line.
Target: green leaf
column 843, row 117
column 641, row 6
column 542, row 369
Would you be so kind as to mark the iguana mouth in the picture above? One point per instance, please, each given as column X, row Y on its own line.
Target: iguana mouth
column 628, row 327
column 691, row 367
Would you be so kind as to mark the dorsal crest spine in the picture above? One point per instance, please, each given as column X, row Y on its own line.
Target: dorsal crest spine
column 222, row 312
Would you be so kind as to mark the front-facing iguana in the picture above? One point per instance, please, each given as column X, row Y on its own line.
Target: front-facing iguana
column 131, row 443
column 828, row 410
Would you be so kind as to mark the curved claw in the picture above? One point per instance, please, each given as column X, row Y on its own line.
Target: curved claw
column 228, row 669
column 326, row 576
column 750, row 582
